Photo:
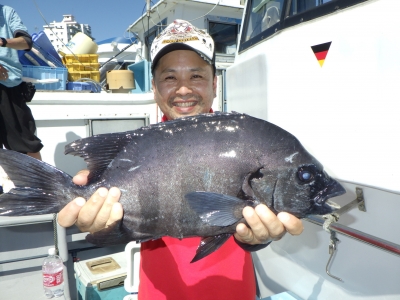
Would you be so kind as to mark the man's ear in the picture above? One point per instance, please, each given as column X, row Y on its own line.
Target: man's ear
column 153, row 85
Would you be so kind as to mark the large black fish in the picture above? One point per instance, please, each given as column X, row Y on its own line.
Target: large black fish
column 182, row 178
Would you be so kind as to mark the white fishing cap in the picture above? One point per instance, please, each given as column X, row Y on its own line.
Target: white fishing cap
column 181, row 35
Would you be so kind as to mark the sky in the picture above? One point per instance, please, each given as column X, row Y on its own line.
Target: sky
column 108, row 18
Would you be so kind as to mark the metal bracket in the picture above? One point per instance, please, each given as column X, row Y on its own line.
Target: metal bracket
column 334, row 217
column 359, row 201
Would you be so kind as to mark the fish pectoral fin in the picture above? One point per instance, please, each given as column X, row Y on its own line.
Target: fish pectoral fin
column 210, row 244
column 216, row 209
column 111, row 235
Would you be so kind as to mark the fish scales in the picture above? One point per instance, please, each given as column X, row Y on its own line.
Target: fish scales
column 182, row 160
column 182, row 178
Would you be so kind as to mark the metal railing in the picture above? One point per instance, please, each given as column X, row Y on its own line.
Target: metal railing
column 328, row 222
column 358, row 235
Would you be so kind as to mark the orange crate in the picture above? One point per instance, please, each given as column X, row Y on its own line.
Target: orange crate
column 76, row 75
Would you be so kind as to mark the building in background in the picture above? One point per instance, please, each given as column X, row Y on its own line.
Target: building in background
column 59, row 33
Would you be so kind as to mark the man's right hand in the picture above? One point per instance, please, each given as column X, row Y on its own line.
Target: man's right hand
column 101, row 210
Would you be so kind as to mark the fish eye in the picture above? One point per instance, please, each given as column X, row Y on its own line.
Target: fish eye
column 305, row 175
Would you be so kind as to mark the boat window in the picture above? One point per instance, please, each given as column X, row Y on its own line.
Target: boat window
column 262, row 15
column 151, row 34
column 225, row 37
column 265, row 17
column 299, row 6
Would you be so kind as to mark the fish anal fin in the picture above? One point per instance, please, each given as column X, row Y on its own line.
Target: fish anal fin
column 210, row 244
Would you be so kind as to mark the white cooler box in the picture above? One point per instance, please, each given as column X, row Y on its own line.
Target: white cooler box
column 102, row 277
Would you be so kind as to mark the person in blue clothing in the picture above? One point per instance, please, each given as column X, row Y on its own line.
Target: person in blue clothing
column 17, row 125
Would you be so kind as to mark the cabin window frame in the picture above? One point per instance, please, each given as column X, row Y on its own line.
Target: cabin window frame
column 224, row 21
column 287, row 21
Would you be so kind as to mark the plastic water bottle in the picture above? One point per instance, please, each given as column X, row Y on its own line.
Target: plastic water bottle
column 53, row 280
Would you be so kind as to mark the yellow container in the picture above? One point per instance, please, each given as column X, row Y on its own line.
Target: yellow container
column 83, row 58
column 76, row 75
column 120, row 81
column 73, row 67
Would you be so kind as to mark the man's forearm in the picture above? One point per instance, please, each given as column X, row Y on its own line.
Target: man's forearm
column 18, row 43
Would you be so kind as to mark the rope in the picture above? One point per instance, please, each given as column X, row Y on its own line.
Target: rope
column 329, row 219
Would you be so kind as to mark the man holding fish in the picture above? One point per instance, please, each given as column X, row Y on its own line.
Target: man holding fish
column 184, row 84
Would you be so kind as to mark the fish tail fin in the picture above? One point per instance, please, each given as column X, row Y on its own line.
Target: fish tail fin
column 210, row 244
column 32, row 187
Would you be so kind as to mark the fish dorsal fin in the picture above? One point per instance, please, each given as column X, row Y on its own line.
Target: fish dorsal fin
column 99, row 150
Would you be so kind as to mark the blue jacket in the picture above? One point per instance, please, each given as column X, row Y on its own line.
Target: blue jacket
column 10, row 26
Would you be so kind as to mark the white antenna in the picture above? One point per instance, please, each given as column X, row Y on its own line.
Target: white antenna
column 148, row 4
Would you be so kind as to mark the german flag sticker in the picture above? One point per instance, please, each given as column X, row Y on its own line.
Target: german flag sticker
column 321, row 51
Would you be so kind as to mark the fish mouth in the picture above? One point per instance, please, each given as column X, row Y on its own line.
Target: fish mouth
column 321, row 204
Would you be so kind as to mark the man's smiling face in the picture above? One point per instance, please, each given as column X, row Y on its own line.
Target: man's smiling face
column 183, row 84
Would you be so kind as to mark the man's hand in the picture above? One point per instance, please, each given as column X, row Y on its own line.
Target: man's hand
column 3, row 73
column 101, row 210
column 265, row 226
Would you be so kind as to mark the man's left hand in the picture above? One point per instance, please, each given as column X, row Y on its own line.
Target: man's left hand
column 265, row 226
